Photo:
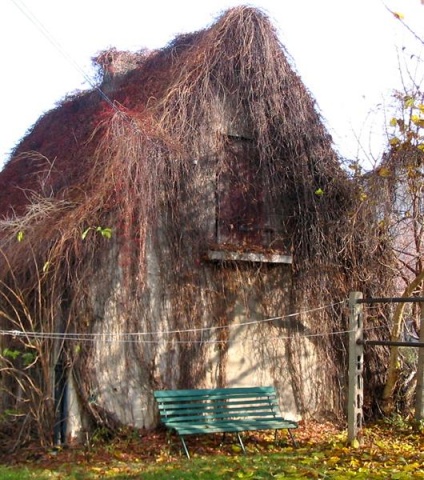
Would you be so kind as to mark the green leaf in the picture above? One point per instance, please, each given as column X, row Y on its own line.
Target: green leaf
column 20, row 236
column 11, row 353
column 106, row 232
column 28, row 358
column 319, row 192
column 85, row 233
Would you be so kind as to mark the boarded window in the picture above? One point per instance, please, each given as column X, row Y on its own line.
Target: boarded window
column 247, row 215
column 240, row 199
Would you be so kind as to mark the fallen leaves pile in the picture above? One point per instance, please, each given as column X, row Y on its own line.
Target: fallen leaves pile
column 386, row 450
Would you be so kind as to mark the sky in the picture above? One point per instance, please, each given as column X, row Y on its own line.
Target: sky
column 347, row 52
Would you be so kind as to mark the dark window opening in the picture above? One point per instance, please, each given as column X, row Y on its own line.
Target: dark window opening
column 239, row 195
column 246, row 216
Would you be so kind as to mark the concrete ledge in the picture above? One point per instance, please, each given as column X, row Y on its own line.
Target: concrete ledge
column 224, row 256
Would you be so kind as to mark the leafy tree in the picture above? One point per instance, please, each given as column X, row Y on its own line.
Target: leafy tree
column 401, row 182
column 399, row 194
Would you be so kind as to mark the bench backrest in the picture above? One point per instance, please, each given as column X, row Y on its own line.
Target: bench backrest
column 211, row 405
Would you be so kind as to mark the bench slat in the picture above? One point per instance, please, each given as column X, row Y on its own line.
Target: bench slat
column 217, row 418
column 187, row 415
column 270, row 423
column 186, row 403
column 198, row 398
column 212, row 407
column 222, row 427
column 212, row 392
column 187, row 398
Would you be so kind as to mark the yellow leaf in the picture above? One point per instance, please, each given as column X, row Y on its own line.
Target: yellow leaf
column 290, row 468
column 319, row 192
column 383, row 172
column 333, row 461
column 398, row 15
column 409, row 101
column 417, row 120
column 354, row 443
column 411, row 467
column 393, row 122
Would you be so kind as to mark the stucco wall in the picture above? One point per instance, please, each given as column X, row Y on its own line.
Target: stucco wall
column 251, row 346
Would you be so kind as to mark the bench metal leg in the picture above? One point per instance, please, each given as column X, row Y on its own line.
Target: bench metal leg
column 241, row 443
column 291, row 436
column 185, row 446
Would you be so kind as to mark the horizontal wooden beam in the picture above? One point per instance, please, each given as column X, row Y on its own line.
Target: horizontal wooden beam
column 225, row 256
column 390, row 343
column 391, row 300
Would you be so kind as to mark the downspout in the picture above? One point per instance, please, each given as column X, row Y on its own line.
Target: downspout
column 60, row 401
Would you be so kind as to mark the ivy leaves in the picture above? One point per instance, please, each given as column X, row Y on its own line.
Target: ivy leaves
column 105, row 232
column 28, row 357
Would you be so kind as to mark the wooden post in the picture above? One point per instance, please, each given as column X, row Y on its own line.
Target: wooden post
column 419, row 398
column 356, row 365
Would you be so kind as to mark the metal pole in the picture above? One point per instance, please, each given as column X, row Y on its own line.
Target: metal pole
column 356, row 365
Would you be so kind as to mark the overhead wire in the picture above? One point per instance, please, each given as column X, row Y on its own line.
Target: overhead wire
column 23, row 8
column 140, row 337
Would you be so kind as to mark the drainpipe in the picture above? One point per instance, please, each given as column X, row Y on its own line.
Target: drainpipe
column 60, row 402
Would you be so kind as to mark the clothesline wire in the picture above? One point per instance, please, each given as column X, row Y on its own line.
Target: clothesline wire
column 139, row 337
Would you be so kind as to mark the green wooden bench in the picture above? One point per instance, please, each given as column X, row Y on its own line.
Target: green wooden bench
column 223, row 410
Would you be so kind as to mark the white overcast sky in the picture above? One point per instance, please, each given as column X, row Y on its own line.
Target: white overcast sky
column 346, row 51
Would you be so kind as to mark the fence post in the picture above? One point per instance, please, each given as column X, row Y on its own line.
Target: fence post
column 356, row 365
column 419, row 395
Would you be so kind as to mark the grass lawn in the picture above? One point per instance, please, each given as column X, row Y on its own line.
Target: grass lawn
column 386, row 451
